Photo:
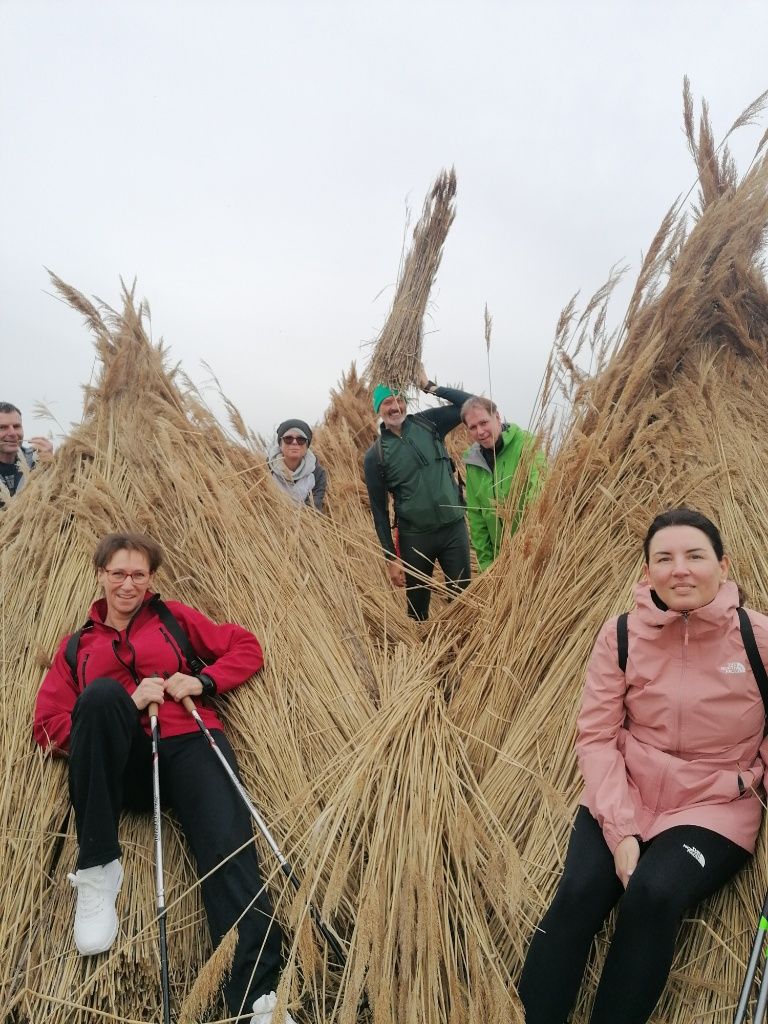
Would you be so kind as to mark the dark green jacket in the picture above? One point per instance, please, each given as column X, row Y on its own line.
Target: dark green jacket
column 416, row 468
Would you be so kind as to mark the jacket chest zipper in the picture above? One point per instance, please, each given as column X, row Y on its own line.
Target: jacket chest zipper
column 683, row 672
column 171, row 644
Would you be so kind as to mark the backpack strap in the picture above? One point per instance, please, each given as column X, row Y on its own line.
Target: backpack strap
column 176, row 630
column 70, row 651
column 755, row 661
column 622, row 640
column 380, row 458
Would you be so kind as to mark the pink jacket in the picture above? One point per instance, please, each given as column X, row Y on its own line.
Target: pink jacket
column 679, row 739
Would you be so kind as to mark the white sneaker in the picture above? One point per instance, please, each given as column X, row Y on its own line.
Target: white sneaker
column 263, row 1010
column 96, row 922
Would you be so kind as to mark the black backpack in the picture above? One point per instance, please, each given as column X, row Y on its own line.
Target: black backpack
column 747, row 637
column 168, row 619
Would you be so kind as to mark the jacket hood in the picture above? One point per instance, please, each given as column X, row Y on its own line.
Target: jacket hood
column 715, row 615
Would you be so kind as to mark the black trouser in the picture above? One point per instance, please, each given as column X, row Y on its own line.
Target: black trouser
column 110, row 769
column 448, row 545
column 668, row 879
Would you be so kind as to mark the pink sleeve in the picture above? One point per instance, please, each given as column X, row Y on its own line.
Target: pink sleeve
column 53, row 706
column 600, row 721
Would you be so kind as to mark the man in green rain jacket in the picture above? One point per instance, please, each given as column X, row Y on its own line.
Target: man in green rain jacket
column 491, row 465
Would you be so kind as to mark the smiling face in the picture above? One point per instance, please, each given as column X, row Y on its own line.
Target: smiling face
column 124, row 596
column 483, row 426
column 683, row 568
column 393, row 411
column 11, row 436
column 293, row 448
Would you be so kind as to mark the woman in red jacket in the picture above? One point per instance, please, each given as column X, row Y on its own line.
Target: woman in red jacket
column 96, row 712
column 672, row 755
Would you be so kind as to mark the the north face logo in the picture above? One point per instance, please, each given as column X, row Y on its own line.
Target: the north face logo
column 733, row 668
column 696, row 854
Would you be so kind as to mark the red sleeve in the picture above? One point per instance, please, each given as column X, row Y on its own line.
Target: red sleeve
column 53, row 707
column 601, row 718
column 232, row 653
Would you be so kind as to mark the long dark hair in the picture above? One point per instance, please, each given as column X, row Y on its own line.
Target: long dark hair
column 683, row 516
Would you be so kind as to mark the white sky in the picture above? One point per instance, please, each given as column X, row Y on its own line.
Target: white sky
column 250, row 163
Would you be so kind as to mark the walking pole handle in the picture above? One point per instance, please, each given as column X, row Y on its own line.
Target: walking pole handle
column 153, row 709
column 188, row 703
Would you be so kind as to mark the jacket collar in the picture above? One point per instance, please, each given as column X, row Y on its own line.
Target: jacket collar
column 718, row 613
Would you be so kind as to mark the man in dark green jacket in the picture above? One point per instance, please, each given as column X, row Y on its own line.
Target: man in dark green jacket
column 410, row 461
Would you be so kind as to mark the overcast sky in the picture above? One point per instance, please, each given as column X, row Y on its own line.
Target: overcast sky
column 251, row 164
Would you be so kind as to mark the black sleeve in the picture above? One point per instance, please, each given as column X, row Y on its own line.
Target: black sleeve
column 377, row 495
column 446, row 417
column 321, row 485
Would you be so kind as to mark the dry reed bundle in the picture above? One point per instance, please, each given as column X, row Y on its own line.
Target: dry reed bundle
column 237, row 549
column 675, row 416
column 397, row 351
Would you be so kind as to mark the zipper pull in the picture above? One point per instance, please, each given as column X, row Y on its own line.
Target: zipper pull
column 685, row 632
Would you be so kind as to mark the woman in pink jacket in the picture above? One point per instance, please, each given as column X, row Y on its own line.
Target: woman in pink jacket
column 672, row 755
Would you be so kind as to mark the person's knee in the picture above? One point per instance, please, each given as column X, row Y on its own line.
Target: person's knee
column 576, row 894
column 101, row 696
column 650, row 896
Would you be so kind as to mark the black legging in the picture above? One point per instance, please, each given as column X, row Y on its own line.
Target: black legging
column 677, row 869
column 110, row 768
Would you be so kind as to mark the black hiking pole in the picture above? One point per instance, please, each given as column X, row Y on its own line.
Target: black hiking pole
column 159, row 883
column 322, row 927
column 762, row 997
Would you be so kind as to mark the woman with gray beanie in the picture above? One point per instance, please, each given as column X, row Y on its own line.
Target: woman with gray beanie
column 294, row 467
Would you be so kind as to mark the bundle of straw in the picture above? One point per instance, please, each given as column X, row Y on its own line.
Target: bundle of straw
column 674, row 416
column 396, row 355
column 240, row 551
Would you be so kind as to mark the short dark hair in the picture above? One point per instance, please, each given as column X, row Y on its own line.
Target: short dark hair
column 683, row 516
column 481, row 401
column 113, row 542
column 6, row 407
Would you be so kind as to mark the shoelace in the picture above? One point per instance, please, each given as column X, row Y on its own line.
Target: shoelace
column 90, row 894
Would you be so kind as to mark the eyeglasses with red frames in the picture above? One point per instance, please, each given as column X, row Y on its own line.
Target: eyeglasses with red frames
column 140, row 577
column 294, row 439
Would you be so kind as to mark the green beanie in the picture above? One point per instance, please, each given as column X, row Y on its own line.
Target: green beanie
column 380, row 392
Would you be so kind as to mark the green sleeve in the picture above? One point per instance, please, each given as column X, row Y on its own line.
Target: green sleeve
column 478, row 529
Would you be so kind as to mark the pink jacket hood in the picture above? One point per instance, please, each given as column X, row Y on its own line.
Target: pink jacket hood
column 678, row 740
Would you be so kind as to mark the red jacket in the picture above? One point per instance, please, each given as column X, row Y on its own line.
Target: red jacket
column 678, row 740
column 232, row 655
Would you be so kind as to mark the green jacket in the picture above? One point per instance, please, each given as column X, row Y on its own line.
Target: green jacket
column 486, row 490
column 416, row 468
